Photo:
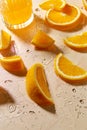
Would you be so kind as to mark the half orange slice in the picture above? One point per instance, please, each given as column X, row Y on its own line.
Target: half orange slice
column 37, row 86
column 67, row 70
column 66, row 19
column 52, row 4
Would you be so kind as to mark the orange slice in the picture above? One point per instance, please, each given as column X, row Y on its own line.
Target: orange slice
column 66, row 19
column 78, row 42
column 37, row 86
column 42, row 40
column 5, row 40
column 12, row 63
column 52, row 4
column 67, row 70
column 85, row 3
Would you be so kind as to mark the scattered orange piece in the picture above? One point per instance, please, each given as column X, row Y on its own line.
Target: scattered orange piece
column 12, row 63
column 85, row 3
column 5, row 40
column 52, row 4
column 78, row 42
column 66, row 19
column 68, row 70
column 42, row 40
column 37, row 86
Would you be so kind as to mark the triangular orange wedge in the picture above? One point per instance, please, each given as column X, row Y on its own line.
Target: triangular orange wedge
column 66, row 19
column 78, row 42
column 37, row 86
column 68, row 71
column 5, row 39
column 42, row 40
column 12, row 63
column 52, row 4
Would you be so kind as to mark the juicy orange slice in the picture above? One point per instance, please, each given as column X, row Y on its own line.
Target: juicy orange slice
column 77, row 41
column 5, row 40
column 37, row 86
column 42, row 40
column 66, row 19
column 67, row 70
column 85, row 3
column 52, row 4
column 12, row 63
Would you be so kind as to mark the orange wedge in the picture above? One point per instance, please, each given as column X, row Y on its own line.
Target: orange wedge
column 5, row 40
column 42, row 40
column 78, row 42
column 85, row 3
column 12, row 63
column 37, row 86
column 52, row 4
column 66, row 19
column 67, row 70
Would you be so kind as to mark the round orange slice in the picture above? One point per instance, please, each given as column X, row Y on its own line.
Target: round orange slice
column 66, row 19
column 78, row 42
column 42, row 40
column 5, row 40
column 85, row 3
column 37, row 86
column 12, row 63
column 52, row 4
column 67, row 70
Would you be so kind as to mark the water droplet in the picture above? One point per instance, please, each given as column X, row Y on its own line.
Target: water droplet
column 12, row 108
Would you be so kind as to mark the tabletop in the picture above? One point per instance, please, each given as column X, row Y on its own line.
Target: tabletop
column 17, row 110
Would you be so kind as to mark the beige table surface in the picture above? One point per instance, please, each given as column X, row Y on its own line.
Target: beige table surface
column 17, row 110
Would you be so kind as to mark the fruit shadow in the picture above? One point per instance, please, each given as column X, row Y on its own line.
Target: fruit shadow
column 10, row 51
column 50, row 108
column 78, row 83
column 53, row 48
column 5, row 96
column 73, row 29
column 27, row 33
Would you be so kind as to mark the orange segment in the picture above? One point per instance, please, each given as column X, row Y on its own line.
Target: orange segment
column 37, row 86
column 5, row 40
column 77, row 41
column 66, row 19
column 85, row 3
column 52, row 4
column 42, row 40
column 12, row 63
column 67, row 70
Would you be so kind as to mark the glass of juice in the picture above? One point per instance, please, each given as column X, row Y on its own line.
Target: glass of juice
column 16, row 14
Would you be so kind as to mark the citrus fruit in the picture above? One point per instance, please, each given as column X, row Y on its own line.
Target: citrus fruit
column 52, row 4
column 66, row 19
column 77, row 41
column 67, row 70
column 12, row 63
column 85, row 3
column 42, row 40
column 5, row 39
column 37, row 86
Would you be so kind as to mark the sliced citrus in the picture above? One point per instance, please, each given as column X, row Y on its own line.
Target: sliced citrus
column 52, row 4
column 66, row 19
column 85, row 3
column 12, row 63
column 42, row 40
column 5, row 40
column 67, row 70
column 37, row 86
column 77, row 41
